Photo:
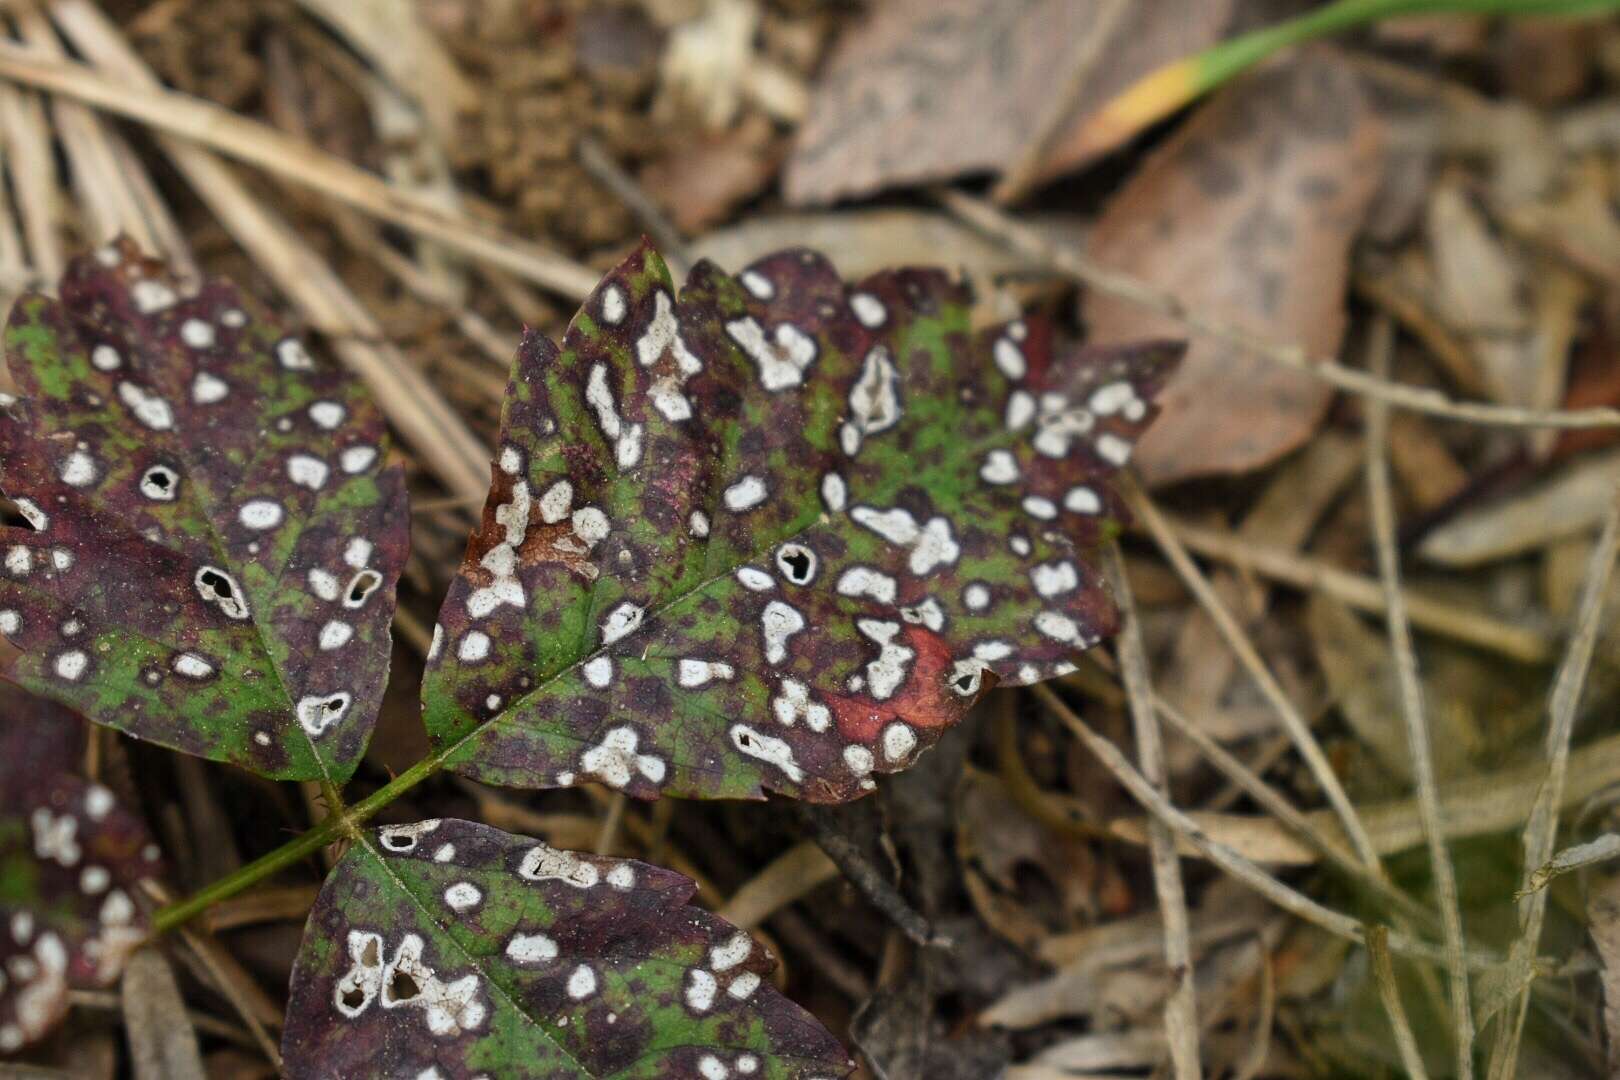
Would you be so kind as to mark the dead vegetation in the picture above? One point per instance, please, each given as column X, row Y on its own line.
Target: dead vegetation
column 1317, row 812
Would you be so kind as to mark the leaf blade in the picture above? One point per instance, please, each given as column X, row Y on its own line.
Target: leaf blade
column 215, row 535
column 784, row 513
column 539, row 962
column 72, row 865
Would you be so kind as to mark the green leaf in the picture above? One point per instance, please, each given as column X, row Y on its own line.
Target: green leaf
column 215, row 540
column 72, row 862
column 779, row 534
column 449, row 949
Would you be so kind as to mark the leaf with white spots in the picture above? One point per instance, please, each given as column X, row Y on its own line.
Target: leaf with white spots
column 863, row 512
column 213, row 538
column 72, row 863
column 452, row 949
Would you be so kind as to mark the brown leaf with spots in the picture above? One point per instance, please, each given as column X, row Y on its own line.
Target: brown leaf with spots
column 1246, row 215
column 930, row 89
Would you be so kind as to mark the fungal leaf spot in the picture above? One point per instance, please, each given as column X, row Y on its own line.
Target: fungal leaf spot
column 201, row 480
column 776, row 532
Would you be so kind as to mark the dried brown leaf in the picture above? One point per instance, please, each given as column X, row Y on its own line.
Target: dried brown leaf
column 931, row 89
column 1246, row 215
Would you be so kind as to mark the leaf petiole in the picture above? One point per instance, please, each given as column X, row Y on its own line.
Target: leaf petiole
column 343, row 821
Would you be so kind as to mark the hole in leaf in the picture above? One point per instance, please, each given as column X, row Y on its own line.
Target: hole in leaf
column 362, row 586
column 965, row 682
column 12, row 516
column 745, row 740
column 218, row 582
column 797, row 563
column 397, row 842
column 353, row 998
column 403, row 987
column 371, row 956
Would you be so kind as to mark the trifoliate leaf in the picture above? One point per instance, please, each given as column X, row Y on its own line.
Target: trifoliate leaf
column 778, row 534
column 215, row 540
column 71, row 865
column 448, row 949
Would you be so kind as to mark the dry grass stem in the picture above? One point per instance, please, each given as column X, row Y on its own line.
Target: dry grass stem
column 788, row 878
column 1244, row 871
column 1238, row 641
column 206, row 124
column 1181, row 1004
column 1477, row 628
column 1309, row 828
column 1066, row 260
column 1382, row 501
column 1383, row 965
column 415, row 408
column 1541, row 830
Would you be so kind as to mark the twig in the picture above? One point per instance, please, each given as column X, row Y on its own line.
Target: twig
column 789, row 877
column 1231, row 862
column 1478, row 628
column 869, row 879
column 1238, row 641
column 607, row 837
column 1540, row 832
column 594, row 158
column 1181, row 1004
column 1287, row 814
column 1380, row 348
column 206, row 124
column 1066, row 260
column 1384, row 974
column 443, row 442
column 1025, row 173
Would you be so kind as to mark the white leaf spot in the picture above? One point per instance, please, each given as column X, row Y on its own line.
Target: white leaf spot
column 1037, row 506
column 1057, row 626
column 622, row 620
column 307, row 471
column 834, row 493
column 781, row 364
column 462, row 896
column 335, row 634
column 779, row 621
column 192, row 666
column 745, row 494
column 327, row 414
column 694, row 673
column 1113, row 449
column 700, row 990
column 859, row 760
column 319, row 712
column 888, row 672
column 530, row 949
column 598, row 671
column 71, row 665
column 293, row 356
column 207, row 388
column 1000, row 467
column 260, row 514
column 79, row 470
column 1083, row 500
column 197, row 334
column 898, row 741
column 865, row 581
column 868, row 309
column 1010, row 358
column 613, row 306
column 106, row 358
column 1054, row 579
column 758, row 284
column 474, row 646
column 767, row 748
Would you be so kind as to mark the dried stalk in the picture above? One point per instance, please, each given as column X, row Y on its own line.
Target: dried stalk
column 1236, row 639
column 1181, row 1004
column 206, row 124
column 1540, row 832
column 1072, row 263
column 1411, row 692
